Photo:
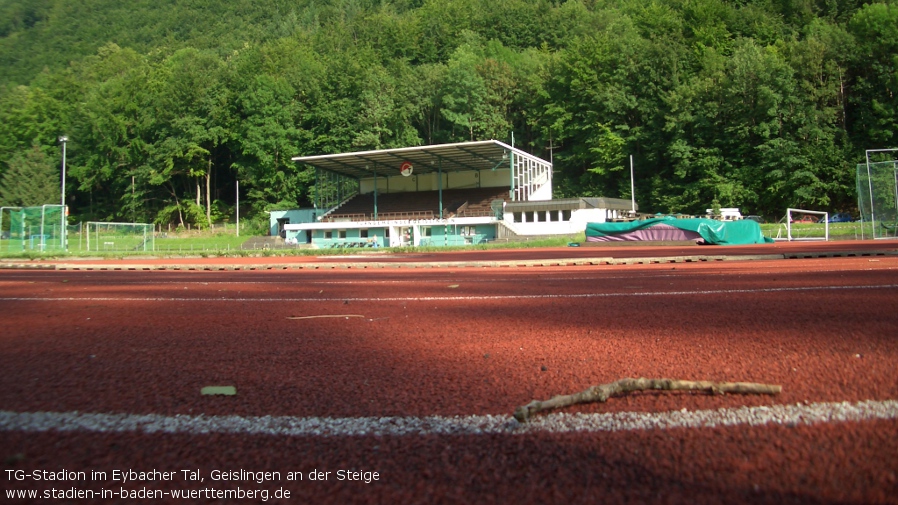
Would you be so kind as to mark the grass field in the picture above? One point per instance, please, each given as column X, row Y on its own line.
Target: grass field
column 218, row 243
column 837, row 231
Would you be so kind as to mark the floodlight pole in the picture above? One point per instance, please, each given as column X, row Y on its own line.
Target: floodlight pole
column 632, row 189
column 238, row 208
column 63, row 139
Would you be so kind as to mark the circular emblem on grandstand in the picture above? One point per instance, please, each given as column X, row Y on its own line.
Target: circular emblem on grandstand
column 406, row 168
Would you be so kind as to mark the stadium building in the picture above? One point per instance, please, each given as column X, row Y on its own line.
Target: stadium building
column 439, row 195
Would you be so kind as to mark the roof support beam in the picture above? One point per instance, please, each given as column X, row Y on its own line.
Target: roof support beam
column 475, row 155
column 511, row 194
column 353, row 169
column 374, row 162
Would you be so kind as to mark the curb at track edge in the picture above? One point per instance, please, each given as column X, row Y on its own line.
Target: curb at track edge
column 448, row 264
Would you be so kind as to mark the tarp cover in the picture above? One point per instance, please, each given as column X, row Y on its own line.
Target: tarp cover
column 741, row 232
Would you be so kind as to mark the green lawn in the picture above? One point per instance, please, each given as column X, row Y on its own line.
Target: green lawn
column 199, row 243
column 228, row 244
column 219, row 244
column 837, row 231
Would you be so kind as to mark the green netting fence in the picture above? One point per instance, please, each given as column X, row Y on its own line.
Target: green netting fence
column 877, row 192
column 33, row 228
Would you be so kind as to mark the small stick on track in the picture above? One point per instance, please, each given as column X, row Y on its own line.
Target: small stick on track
column 602, row 392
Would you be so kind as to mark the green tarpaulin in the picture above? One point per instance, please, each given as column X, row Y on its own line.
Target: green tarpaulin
column 741, row 232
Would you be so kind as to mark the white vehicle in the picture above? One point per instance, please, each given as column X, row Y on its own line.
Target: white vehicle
column 726, row 214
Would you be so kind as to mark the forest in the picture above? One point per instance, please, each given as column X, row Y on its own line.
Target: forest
column 167, row 104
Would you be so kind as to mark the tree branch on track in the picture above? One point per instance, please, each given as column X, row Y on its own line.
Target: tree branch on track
column 602, row 392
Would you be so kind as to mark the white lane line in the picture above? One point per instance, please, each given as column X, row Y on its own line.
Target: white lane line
column 417, row 281
column 713, row 292
column 799, row 414
column 425, row 276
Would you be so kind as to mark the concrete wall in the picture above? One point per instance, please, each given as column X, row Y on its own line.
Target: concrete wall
column 349, row 237
column 294, row 216
column 499, row 177
column 556, row 222
column 406, row 235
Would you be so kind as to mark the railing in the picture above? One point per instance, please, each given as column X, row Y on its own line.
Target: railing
column 336, row 218
column 381, row 216
column 420, row 214
column 476, row 213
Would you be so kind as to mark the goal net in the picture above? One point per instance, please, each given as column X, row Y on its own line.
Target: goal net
column 119, row 237
column 40, row 228
column 802, row 224
column 877, row 195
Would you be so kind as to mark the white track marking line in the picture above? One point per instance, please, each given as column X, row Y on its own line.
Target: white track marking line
column 437, row 276
column 714, row 292
column 799, row 414
column 416, row 281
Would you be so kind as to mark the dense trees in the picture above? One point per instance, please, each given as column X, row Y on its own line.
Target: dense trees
column 30, row 180
column 756, row 104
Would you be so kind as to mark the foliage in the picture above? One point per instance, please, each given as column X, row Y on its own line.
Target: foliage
column 758, row 105
column 30, row 180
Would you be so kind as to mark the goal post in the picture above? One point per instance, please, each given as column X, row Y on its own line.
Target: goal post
column 802, row 224
column 39, row 228
column 877, row 190
column 120, row 237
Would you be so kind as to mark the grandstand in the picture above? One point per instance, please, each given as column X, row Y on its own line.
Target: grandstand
column 447, row 194
column 419, row 205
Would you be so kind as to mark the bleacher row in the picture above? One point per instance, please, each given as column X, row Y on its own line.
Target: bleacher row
column 419, row 205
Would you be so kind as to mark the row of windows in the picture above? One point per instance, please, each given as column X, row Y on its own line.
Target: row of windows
column 329, row 234
column 542, row 216
column 363, row 233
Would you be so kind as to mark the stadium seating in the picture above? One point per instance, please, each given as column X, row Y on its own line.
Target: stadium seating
column 419, row 205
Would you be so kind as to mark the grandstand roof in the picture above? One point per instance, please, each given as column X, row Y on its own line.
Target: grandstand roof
column 465, row 156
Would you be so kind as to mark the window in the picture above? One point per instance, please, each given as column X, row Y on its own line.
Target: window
column 363, row 233
column 426, row 231
column 518, row 216
column 341, row 233
column 328, row 234
column 566, row 215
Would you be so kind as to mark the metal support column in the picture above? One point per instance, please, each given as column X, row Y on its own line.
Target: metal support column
column 511, row 171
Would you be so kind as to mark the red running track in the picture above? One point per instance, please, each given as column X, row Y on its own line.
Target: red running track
column 410, row 344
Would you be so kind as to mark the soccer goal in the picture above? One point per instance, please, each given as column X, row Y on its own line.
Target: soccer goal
column 802, row 224
column 119, row 237
column 40, row 228
column 877, row 192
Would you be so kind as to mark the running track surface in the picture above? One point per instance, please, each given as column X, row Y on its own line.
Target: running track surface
column 414, row 374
